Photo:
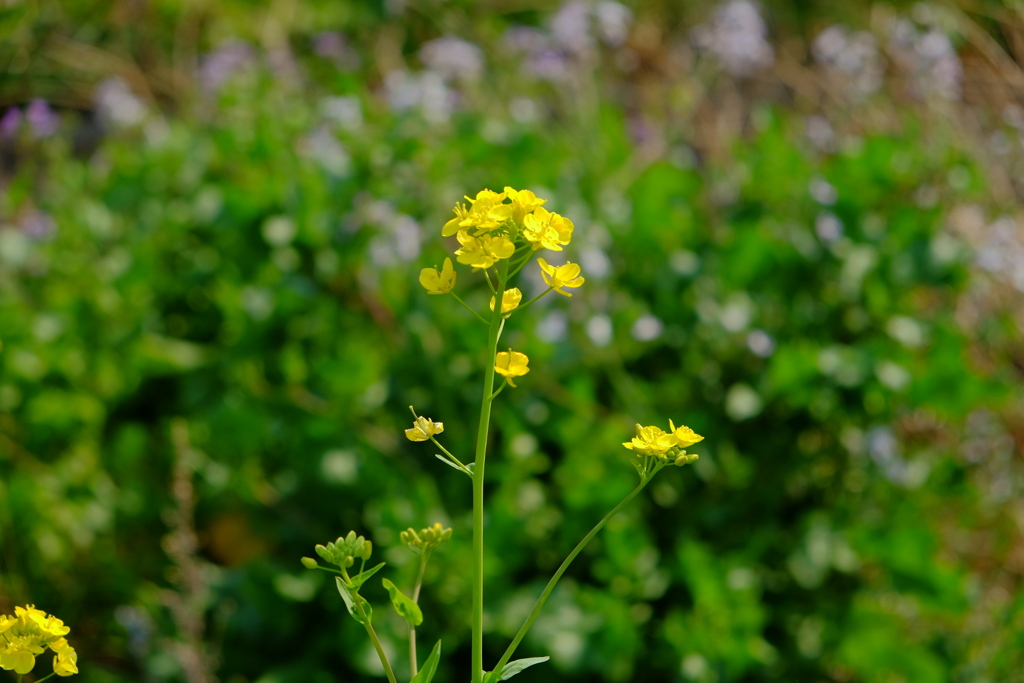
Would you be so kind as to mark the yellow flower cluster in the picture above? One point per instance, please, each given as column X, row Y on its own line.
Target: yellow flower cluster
column 666, row 446
column 495, row 222
column 27, row 634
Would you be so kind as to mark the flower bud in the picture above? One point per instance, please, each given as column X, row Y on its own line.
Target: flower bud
column 310, row 563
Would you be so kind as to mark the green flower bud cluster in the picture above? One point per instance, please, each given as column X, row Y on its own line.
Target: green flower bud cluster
column 425, row 539
column 344, row 551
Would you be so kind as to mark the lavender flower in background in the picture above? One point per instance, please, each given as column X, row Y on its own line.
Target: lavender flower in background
column 10, row 123
column 425, row 92
column 117, row 105
column 570, row 27
column 613, row 22
column 927, row 56
column 737, row 37
column 216, row 68
column 335, row 47
column 852, row 57
column 541, row 58
column 38, row 225
column 454, row 58
column 344, row 110
column 323, row 147
column 1002, row 251
column 42, row 120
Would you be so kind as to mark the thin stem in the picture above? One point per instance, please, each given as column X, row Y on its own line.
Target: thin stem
column 479, row 317
column 380, row 650
column 498, row 391
column 49, row 675
column 539, row 296
column 522, row 263
column 414, row 665
column 445, row 450
column 371, row 632
column 478, row 483
column 561, row 570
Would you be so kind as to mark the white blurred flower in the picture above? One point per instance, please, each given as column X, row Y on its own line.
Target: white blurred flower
column 425, row 92
column 852, row 57
column 117, row 105
column 737, row 37
column 454, row 58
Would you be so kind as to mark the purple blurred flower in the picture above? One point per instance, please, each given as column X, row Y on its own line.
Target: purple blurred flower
column 38, row 225
column 220, row 65
column 117, row 105
column 10, row 123
column 43, row 121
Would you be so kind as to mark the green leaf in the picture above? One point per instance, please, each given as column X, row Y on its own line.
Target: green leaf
column 359, row 579
column 454, row 465
column 406, row 608
column 429, row 667
column 514, row 667
column 354, row 601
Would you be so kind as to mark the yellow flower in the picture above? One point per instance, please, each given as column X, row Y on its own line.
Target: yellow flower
column 523, row 202
column 423, row 428
column 684, row 436
column 66, row 661
column 509, row 300
column 546, row 230
column 511, row 364
column 27, row 634
column 558, row 277
column 483, row 251
column 650, row 441
column 487, row 212
column 439, row 283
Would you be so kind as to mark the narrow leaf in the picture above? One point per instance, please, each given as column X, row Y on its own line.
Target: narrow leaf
column 426, row 674
column 512, row 668
column 352, row 600
column 455, row 465
column 406, row 608
column 359, row 579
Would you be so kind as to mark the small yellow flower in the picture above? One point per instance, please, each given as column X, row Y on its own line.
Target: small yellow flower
column 423, row 428
column 509, row 300
column 546, row 230
column 481, row 252
column 683, row 435
column 523, row 202
column 511, row 364
column 439, row 283
column 650, row 441
column 558, row 277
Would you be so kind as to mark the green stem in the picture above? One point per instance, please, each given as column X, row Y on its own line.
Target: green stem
column 479, row 317
column 416, row 598
column 498, row 390
column 445, row 451
column 561, row 570
column 478, row 483
column 49, row 675
column 380, row 650
column 539, row 296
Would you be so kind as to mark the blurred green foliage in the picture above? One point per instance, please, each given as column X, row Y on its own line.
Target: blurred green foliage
column 241, row 259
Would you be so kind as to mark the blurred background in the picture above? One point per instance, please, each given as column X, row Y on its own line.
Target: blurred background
column 800, row 228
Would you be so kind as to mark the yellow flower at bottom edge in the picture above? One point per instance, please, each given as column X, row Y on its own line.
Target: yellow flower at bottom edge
column 439, row 282
column 511, row 364
column 423, row 428
column 558, row 277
